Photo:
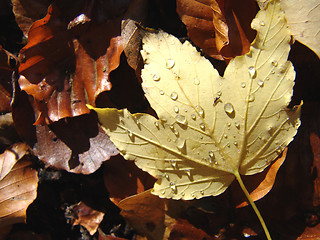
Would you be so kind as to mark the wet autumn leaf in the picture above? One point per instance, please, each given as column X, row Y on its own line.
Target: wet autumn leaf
column 76, row 145
column 220, row 28
column 86, row 216
column 18, row 185
column 123, row 179
column 64, row 66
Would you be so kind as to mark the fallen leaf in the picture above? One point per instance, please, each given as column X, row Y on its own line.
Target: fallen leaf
column 26, row 12
column 18, row 184
column 220, row 28
column 65, row 68
column 86, row 217
column 310, row 233
column 304, row 21
column 123, row 179
column 76, row 145
column 193, row 149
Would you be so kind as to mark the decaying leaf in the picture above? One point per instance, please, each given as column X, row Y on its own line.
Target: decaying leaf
column 18, row 185
column 87, row 217
column 220, row 28
column 304, row 21
column 210, row 129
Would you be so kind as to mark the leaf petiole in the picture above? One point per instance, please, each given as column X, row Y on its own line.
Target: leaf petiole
column 253, row 205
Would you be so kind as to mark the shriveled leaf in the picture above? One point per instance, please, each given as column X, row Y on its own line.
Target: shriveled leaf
column 210, row 128
column 220, row 28
column 76, row 145
column 304, row 21
column 87, row 217
column 18, row 188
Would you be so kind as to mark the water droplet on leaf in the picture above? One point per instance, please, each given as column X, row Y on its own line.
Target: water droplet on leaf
column 243, row 84
column 202, row 126
column 262, row 23
column 260, row 83
column 173, row 163
column 228, row 108
column 251, row 98
column 173, row 187
column 161, row 92
column 180, row 143
column 175, row 109
column 196, row 81
column 166, row 176
column 252, row 72
column 237, row 125
column 181, row 119
column 188, row 172
column 156, row 77
column 170, row 63
column 156, row 123
column 274, row 63
column 174, row 96
column 193, row 116
column 200, row 110
column 219, row 93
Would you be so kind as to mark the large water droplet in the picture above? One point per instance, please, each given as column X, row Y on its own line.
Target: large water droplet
column 274, row 63
column 193, row 117
column 173, row 187
column 176, row 109
column 252, row 72
column 200, row 110
column 156, row 77
column 202, row 126
column 196, row 81
column 180, row 143
column 228, row 108
column 243, row 84
column 181, row 119
column 170, row 63
column 260, row 83
column 174, row 96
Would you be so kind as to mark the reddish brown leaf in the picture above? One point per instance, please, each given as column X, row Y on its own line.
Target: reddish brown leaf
column 220, row 28
column 265, row 181
column 66, row 68
column 123, row 178
column 18, row 186
column 310, row 233
column 86, row 217
column 27, row 12
column 76, row 145
column 103, row 236
column 146, row 213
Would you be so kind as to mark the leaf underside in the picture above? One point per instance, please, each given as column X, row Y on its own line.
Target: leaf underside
column 209, row 127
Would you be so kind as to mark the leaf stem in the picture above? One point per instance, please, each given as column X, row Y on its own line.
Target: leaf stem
column 253, row 205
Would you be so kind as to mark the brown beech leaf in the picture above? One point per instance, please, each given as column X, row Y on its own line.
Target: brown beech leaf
column 221, row 28
column 310, row 233
column 66, row 64
column 18, row 185
column 26, row 12
column 86, row 217
column 77, row 145
column 265, row 181
column 123, row 179
column 146, row 213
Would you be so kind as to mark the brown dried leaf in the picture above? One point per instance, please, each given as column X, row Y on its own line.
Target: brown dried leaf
column 221, row 28
column 63, row 69
column 123, row 179
column 87, row 217
column 18, row 186
column 26, row 12
column 76, row 145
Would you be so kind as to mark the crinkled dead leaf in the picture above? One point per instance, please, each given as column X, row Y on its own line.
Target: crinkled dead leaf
column 26, row 12
column 220, row 28
column 210, row 128
column 65, row 66
column 18, row 185
column 77, row 145
column 304, row 21
column 86, row 217
column 123, row 179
